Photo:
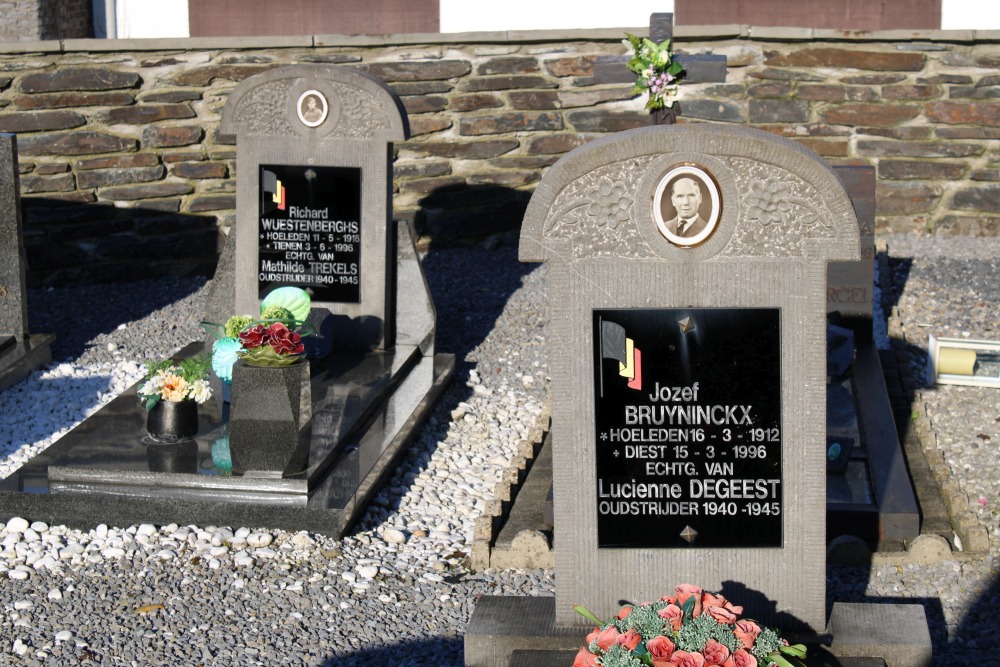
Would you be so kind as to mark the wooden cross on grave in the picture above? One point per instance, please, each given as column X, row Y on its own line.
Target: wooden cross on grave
column 699, row 68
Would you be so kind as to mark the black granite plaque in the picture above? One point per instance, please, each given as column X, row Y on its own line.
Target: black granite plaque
column 688, row 427
column 310, row 231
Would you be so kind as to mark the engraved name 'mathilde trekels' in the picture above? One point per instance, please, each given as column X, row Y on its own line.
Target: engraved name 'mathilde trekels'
column 688, row 427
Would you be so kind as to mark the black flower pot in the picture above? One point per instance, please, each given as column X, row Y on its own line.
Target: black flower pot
column 172, row 421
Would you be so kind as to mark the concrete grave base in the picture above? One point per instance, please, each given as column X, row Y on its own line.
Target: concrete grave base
column 18, row 359
column 508, row 631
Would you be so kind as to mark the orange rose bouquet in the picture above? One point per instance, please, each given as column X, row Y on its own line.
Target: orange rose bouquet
column 691, row 628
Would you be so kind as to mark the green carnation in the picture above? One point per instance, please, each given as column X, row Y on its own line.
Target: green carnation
column 279, row 313
column 236, row 324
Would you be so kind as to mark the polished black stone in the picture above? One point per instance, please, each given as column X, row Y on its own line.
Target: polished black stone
column 309, row 231
column 688, row 437
column 366, row 409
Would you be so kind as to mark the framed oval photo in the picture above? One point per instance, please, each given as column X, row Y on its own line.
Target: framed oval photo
column 686, row 205
column 313, row 108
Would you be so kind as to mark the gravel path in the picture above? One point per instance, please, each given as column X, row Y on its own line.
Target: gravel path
column 396, row 591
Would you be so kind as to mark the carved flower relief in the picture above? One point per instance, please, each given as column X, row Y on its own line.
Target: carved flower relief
column 610, row 204
column 768, row 200
column 771, row 200
column 362, row 111
column 260, row 111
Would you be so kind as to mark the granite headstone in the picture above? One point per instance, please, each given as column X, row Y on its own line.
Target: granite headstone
column 20, row 353
column 314, row 192
column 688, row 270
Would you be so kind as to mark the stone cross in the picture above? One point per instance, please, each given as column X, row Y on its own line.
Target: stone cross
column 698, row 68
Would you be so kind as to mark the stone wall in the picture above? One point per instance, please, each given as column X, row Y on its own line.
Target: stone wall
column 31, row 20
column 124, row 172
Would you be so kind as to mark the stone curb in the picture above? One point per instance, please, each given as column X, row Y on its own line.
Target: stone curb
column 488, row 525
column 972, row 536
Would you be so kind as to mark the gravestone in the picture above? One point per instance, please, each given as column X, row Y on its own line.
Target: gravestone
column 314, row 149
column 314, row 193
column 20, row 353
column 688, row 392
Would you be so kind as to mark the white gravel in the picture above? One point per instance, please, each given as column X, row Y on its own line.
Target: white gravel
column 397, row 589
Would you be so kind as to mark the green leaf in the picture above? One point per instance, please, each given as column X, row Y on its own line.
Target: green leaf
column 796, row 650
column 664, row 45
column 777, row 659
column 583, row 611
column 675, row 68
column 688, row 608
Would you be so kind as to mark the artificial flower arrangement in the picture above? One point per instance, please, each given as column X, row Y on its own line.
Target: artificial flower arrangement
column 175, row 381
column 657, row 72
column 273, row 339
column 691, row 628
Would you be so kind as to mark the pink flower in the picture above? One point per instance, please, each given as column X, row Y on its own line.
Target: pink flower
column 746, row 631
column 715, row 653
column 721, row 615
column 673, row 614
column 585, row 659
column 686, row 659
column 607, row 637
column 629, row 640
column 624, row 612
column 660, row 650
column 741, row 659
column 712, row 600
column 684, row 591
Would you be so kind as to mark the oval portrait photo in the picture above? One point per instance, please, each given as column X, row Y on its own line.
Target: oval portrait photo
column 312, row 108
column 686, row 205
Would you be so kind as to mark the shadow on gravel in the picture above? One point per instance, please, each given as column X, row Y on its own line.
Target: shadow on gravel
column 439, row 652
column 470, row 287
column 78, row 314
column 978, row 635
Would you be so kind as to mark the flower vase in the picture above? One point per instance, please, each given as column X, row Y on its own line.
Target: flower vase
column 271, row 405
column 172, row 421
column 664, row 115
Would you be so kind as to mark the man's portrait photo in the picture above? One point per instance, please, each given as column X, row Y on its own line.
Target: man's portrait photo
column 686, row 205
column 312, row 108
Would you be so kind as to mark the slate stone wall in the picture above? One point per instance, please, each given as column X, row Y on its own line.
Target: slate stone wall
column 124, row 172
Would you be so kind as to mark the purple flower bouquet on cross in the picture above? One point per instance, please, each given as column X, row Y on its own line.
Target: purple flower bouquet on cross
column 657, row 72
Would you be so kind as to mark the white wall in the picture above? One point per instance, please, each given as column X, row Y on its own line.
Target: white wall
column 970, row 15
column 152, row 18
column 490, row 15
column 169, row 18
